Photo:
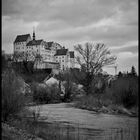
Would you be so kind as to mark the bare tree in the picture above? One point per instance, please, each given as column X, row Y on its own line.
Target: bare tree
column 17, row 56
column 91, row 58
column 25, row 58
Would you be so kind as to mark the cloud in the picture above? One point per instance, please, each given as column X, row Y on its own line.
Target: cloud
column 126, row 55
column 69, row 22
column 126, row 60
column 13, row 27
column 131, row 46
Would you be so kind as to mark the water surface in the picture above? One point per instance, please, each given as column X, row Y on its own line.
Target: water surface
column 88, row 125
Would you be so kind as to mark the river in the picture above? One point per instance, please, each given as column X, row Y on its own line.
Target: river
column 88, row 125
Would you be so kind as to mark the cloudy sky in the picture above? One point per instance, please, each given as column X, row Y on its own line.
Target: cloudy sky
column 68, row 22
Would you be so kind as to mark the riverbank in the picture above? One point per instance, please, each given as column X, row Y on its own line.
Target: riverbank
column 110, row 109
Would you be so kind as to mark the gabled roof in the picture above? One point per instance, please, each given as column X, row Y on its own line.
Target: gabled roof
column 34, row 42
column 71, row 54
column 61, row 52
column 48, row 45
column 22, row 38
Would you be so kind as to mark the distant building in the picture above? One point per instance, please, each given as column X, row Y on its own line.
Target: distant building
column 52, row 54
column 21, row 42
column 64, row 58
column 71, row 60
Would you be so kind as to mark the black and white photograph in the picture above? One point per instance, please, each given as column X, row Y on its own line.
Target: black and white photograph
column 69, row 70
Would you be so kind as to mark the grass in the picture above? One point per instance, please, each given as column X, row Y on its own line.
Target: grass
column 65, row 131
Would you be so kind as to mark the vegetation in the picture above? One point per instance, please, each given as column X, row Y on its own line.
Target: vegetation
column 96, row 93
column 36, row 76
column 124, row 91
column 116, row 97
column 57, row 131
column 69, row 83
column 91, row 59
column 12, row 97
column 45, row 94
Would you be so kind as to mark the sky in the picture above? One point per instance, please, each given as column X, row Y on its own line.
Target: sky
column 69, row 22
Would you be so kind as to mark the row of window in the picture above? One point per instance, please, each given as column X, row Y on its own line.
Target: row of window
column 60, row 61
column 19, row 43
column 18, row 48
column 59, row 57
column 32, row 51
column 31, row 47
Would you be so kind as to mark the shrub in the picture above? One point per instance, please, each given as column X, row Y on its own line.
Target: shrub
column 124, row 91
column 45, row 94
column 12, row 98
column 89, row 102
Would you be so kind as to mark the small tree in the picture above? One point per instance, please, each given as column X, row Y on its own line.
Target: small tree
column 133, row 71
column 120, row 74
column 92, row 57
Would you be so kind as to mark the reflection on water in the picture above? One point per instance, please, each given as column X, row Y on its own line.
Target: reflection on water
column 69, row 123
column 60, row 131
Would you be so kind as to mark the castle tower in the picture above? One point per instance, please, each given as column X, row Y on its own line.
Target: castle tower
column 33, row 33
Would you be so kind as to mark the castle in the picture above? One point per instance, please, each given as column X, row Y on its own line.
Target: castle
column 44, row 54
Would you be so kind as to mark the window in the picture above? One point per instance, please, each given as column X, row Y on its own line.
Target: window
column 62, row 60
column 63, row 57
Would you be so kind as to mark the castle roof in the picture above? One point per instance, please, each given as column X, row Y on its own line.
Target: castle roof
column 21, row 38
column 61, row 52
column 48, row 45
column 34, row 42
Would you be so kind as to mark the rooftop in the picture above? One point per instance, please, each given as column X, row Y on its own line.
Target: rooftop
column 61, row 52
column 22, row 38
column 34, row 42
column 48, row 44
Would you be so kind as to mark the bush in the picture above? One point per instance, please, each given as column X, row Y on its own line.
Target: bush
column 12, row 98
column 124, row 91
column 45, row 94
column 89, row 101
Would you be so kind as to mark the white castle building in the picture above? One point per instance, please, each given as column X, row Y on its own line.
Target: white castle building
column 52, row 54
